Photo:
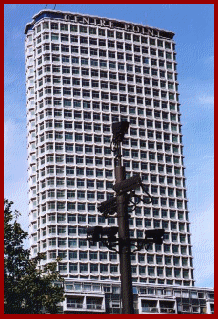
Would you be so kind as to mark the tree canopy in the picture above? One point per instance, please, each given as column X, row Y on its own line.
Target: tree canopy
column 27, row 288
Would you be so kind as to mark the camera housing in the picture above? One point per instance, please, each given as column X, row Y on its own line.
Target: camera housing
column 108, row 207
column 119, row 129
column 98, row 233
column 128, row 185
column 155, row 235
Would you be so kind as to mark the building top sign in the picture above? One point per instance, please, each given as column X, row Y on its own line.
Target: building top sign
column 104, row 22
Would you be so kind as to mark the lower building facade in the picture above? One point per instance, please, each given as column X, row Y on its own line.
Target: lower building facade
column 88, row 297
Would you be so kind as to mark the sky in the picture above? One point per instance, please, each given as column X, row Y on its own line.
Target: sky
column 193, row 25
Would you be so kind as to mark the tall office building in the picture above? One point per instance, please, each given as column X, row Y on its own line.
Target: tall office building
column 82, row 74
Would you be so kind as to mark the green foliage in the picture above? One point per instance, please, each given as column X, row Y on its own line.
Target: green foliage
column 27, row 289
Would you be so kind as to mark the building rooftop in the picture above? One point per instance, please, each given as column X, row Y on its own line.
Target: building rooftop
column 47, row 13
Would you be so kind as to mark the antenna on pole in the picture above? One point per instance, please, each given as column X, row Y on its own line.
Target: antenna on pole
column 53, row 8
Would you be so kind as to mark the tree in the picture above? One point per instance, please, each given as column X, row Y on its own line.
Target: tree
column 27, row 289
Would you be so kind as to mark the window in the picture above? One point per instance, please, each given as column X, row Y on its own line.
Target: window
column 103, row 268
column 71, row 194
column 142, row 270
column 151, row 273
column 83, row 268
column 93, row 267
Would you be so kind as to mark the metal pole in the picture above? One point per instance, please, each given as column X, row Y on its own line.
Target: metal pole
column 124, row 243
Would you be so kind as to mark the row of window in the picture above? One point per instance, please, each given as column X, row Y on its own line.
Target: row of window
column 106, row 139
column 122, row 98
column 78, row 115
column 108, row 173
column 135, row 279
column 148, row 212
column 73, row 230
column 106, row 85
column 107, row 151
column 68, row 125
column 104, row 107
column 70, row 182
column 146, row 112
column 108, row 162
column 99, row 162
column 175, row 237
column 140, row 270
column 103, row 32
column 94, row 72
column 87, row 116
column 98, row 150
column 113, row 118
column 103, row 256
column 106, row 128
column 91, row 172
column 128, row 68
